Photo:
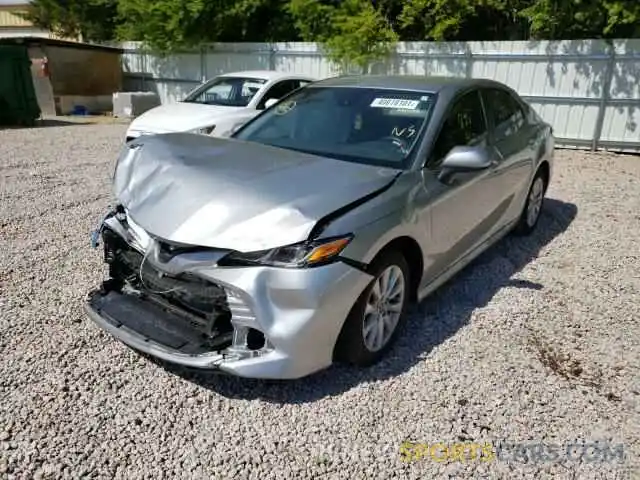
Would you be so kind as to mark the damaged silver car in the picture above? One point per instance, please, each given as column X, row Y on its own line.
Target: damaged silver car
column 301, row 240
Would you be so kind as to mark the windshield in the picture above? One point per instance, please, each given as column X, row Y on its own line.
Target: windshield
column 227, row 91
column 364, row 125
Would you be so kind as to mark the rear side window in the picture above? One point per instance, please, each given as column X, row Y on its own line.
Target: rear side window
column 465, row 126
column 504, row 112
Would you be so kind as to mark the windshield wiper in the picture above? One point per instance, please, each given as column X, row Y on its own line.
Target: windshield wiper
column 301, row 150
column 338, row 156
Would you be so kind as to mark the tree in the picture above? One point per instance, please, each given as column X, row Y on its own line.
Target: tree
column 463, row 20
column 169, row 25
column 90, row 20
column 555, row 20
column 353, row 32
column 164, row 25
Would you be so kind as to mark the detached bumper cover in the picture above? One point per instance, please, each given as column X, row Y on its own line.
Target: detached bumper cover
column 300, row 312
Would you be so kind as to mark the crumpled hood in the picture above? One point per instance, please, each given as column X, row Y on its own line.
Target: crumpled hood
column 181, row 116
column 224, row 193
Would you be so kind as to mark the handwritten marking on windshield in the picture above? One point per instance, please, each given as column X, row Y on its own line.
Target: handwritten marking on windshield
column 410, row 131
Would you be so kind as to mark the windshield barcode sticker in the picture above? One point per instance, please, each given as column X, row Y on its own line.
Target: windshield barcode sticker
column 395, row 103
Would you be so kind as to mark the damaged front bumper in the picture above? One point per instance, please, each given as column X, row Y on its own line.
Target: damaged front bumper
column 259, row 322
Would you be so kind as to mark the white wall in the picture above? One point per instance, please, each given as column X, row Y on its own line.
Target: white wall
column 586, row 89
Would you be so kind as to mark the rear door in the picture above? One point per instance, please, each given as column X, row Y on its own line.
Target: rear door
column 514, row 138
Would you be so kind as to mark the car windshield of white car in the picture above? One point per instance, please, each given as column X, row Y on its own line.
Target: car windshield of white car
column 227, row 91
column 364, row 125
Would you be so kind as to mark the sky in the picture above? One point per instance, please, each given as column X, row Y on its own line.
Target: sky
column 14, row 2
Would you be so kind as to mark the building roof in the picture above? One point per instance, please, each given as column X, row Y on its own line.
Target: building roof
column 33, row 40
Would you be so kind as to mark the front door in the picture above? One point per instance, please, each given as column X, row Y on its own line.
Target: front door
column 466, row 210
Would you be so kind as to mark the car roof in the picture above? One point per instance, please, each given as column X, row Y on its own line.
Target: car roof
column 267, row 75
column 407, row 82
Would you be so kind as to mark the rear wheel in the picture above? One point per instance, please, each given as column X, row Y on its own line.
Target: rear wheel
column 533, row 206
column 374, row 321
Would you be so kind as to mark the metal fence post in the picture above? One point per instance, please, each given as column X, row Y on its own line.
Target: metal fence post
column 272, row 56
column 142, row 50
column 469, row 62
column 203, row 63
column 606, row 93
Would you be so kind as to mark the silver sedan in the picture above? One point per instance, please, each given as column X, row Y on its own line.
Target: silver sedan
column 302, row 239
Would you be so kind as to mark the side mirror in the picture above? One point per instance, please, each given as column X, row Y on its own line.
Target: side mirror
column 270, row 102
column 464, row 159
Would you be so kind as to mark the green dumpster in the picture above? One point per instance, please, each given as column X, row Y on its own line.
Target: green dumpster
column 18, row 102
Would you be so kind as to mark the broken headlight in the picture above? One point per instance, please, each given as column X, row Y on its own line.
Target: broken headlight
column 299, row 255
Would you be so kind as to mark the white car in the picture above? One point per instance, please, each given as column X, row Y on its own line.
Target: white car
column 219, row 106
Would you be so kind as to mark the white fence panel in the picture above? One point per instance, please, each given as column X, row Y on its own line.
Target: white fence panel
column 302, row 57
column 587, row 89
column 236, row 57
column 622, row 105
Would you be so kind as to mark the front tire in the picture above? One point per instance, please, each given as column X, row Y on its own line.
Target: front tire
column 375, row 319
column 533, row 206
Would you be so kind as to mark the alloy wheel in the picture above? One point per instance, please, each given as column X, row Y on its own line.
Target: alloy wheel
column 535, row 201
column 383, row 308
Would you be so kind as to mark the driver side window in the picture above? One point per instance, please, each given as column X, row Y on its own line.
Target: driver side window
column 465, row 125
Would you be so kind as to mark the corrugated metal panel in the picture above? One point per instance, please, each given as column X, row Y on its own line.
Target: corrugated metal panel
column 621, row 118
column 588, row 90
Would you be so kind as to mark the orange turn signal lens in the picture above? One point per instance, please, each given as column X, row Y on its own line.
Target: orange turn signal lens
column 327, row 250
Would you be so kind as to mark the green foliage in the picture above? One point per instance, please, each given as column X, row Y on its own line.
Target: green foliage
column 168, row 25
column 443, row 20
column 519, row 19
column 164, row 25
column 313, row 18
column 436, row 19
column 93, row 20
column 353, row 32
column 361, row 35
column 551, row 19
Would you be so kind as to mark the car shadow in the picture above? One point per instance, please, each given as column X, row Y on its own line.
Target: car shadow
column 430, row 323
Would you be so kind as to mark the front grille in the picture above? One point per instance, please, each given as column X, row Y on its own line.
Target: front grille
column 201, row 303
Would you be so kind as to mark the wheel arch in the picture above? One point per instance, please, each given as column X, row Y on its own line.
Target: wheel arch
column 411, row 251
column 544, row 168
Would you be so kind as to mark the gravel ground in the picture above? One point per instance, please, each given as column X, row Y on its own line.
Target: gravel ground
column 537, row 342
